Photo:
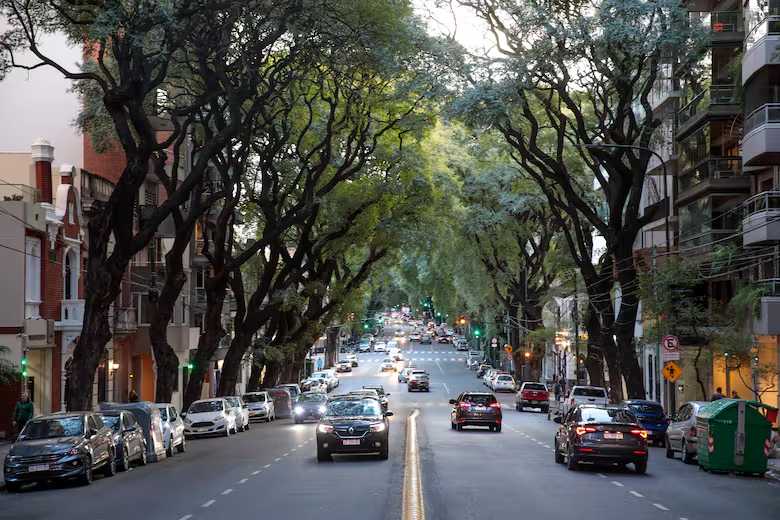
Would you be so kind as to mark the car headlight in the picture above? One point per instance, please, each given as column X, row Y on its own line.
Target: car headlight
column 321, row 409
column 324, row 428
column 378, row 427
column 298, row 410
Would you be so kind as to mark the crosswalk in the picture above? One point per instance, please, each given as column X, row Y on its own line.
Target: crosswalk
column 421, row 358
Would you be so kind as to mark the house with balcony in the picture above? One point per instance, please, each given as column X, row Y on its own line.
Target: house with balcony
column 41, row 230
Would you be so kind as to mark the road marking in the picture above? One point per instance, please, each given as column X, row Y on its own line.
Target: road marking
column 683, row 518
column 208, row 504
column 277, row 459
column 286, row 454
column 446, row 389
column 661, row 507
column 618, row 484
column 548, row 446
column 257, row 472
column 412, row 504
column 294, row 449
column 243, row 481
column 300, row 445
column 227, row 491
column 637, row 494
column 601, row 475
column 186, row 517
column 438, row 365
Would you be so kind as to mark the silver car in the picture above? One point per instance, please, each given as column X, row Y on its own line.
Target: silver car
column 240, row 410
column 173, row 428
column 681, row 434
column 261, row 406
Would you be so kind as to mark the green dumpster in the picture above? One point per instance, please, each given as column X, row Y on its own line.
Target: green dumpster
column 732, row 435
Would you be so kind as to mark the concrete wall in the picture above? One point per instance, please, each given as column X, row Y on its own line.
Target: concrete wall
column 12, row 260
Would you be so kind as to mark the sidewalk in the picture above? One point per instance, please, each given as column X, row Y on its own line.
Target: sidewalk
column 773, row 468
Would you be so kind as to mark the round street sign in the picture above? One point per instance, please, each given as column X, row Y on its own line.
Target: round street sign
column 671, row 348
column 508, row 349
column 672, row 371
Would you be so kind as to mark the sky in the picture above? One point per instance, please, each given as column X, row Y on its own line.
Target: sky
column 446, row 17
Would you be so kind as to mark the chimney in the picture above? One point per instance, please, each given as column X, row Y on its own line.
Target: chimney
column 66, row 174
column 43, row 155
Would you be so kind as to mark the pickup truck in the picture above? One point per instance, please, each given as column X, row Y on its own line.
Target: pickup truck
column 585, row 395
column 532, row 395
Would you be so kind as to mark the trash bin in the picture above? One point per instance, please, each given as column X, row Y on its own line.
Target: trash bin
column 732, row 435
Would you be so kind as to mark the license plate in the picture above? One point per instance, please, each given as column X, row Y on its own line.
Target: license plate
column 616, row 435
column 481, row 408
column 351, row 442
column 38, row 467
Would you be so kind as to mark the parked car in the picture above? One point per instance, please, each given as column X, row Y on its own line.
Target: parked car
column 419, row 380
column 380, row 346
column 331, row 381
column 474, row 355
column 652, row 418
column 504, row 383
column 415, row 337
column 590, row 433
column 461, row 345
column 425, row 339
column 60, row 446
column 240, row 411
column 173, row 428
column 343, row 366
column 209, row 417
column 481, row 369
column 387, row 364
column 443, row 340
column 315, row 384
column 353, row 424
column 352, row 358
column 681, row 433
column 148, row 416
column 283, row 402
column 293, row 388
column 364, row 346
column 476, row 409
column 491, row 383
column 310, row 405
column 581, row 394
column 260, row 406
column 129, row 441
column 532, row 395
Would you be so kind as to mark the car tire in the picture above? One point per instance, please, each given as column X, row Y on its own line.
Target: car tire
column 323, row 456
column 460, row 427
column 571, row 462
column 124, row 462
column 558, row 455
column 661, row 442
column 85, row 478
column 669, row 450
column 13, row 487
column 182, row 447
column 452, row 426
column 640, row 467
column 109, row 468
column 384, row 454
column 297, row 421
column 687, row 458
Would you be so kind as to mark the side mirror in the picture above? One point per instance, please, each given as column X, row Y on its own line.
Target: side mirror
column 558, row 419
column 452, row 401
column 183, row 415
column 388, row 414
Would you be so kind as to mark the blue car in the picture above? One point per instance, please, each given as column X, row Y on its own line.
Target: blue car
column 651, row 416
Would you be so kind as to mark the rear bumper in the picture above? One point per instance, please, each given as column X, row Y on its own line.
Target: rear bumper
column 258, row 414
column 610, row 457
column 418, row 386
column 533, row 403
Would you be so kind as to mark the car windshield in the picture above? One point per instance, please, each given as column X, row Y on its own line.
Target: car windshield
column 379, row 390
column 233, row 401
column 534, row 386
column 647, row 408
column 354, row 408
column 504, row 378
column 206, row 406
column 163, row 414
column 254, row 398
column 607, row 415
column 112, row 421
column 590, row 392
column 51, row 428
column 312, row 397
column 479, row 399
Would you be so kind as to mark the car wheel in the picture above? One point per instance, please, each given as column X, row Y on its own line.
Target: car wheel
column 297, row 421
column 558, row 454
column 687, row 458
column 518, row 407
column 124, row 462
column 143, row 459
column 323, row 456
column 669, row 450
column 13, row 487
column 246, row 426
column 452, row 425
column 662, row 442
column 640, row 467
column 109, row 469
column 571, row 462
column 385, row 453
column 86, row 477
column 182, row 446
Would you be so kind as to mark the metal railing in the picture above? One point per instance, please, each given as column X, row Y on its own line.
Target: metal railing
column 715, row 168
column 767, row 113
column 764, row 201
column 771, row 286
column 726, row 21
column 708, row 238
column 769, row 26
column 714, row 95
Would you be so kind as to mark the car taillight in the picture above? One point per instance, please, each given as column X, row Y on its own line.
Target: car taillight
column 582, row 430
column 464, row 406
column 495, row 405
column 641, row 433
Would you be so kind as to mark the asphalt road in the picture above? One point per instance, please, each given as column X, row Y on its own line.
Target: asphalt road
column 271, row 470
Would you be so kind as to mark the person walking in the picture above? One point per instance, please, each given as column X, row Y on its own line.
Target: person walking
column 734, row 394
column 717, row 395
column 23, row 412
column 557, row 391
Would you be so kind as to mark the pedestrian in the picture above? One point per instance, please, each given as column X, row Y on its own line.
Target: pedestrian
column 717, row 395
column 132, row 397
column 734, row 394
column 557, row 390
column 23, row 412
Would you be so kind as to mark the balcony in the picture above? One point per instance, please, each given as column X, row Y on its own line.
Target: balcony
column 71, row 313
column 717, row 100
column 656, row 210
column 704, row 242
column 726, row 26
column 123, row 319
column 761, row 136
column 768, row 321
column 761, row 223
column 761, row 47
column 716, row 174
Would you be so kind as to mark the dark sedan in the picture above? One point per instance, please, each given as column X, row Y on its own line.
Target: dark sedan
column 652, row 418
column 476, row 409
column 60, row 446
column 353, row 424
column 129, row 441
column 590, row 433
column 310, row 405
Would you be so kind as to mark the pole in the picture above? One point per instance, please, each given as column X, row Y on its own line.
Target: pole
column 575, row 319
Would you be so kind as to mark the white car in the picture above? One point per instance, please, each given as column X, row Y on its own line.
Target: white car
column 380, row 346
column 260, row 406
column 173, row 428
column 414, row 337
column 352, row 358
column 364, row 347
column 331, row 381
column 315, row 384
column 209, row 417
column 581, row 394
column 387, row 364
column 504, row 383
column 240, row 410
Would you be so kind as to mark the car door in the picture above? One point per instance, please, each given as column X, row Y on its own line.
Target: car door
column 454, row 413
column 130, row 435
column 676, row 428
column 177, row 425
column 102, row 439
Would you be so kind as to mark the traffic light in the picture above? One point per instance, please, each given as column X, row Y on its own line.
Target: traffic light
column 24, row 366
column 477, row 332
column 365, row 326
column 190, row 366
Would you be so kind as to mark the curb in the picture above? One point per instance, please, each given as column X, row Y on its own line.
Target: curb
column 412, row 504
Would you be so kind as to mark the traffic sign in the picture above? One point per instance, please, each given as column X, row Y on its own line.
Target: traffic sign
column 672, row 371
column 670, row 346
column 508, row 349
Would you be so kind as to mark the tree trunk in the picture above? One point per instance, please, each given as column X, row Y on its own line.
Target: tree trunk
column 231, row 366
column 253, row 384
column 625, row 326
column 331, row 346
column 594, row 360
column 272, row 371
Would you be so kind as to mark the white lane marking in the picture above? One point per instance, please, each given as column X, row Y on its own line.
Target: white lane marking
column 548, row 446
column 438, row 365
column 267, row 466
column 186, row 517
column 227, row 491
column 293, row 449
column 277, row 459
column 533, row 439
column 601, row 475
column 618, row 484
column 243, row 481
column 683, row 518
column 300, row 445
column 208, row 504
column 286, row 454
column 661, row 507
column 637, row 494
column 257, row 472
column 446, row 389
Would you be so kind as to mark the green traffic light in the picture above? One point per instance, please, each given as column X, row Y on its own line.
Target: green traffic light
column 190, row 366
column 476, row 332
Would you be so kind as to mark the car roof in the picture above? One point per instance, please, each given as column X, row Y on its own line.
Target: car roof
column 61, row 415
column 477, row 393
column 641, row 401
column 209, row 400
column 589, row 386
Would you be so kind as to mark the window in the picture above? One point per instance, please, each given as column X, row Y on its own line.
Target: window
column 200, row 278
column 32, row 284
column 71, row 212
column 602, row 415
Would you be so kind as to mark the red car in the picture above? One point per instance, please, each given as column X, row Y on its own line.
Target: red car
column 532, row 395
column 476, row 409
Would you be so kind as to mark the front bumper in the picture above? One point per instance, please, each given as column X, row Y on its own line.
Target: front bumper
column 204, row 430
column 66, row 467
column 369, row 443
column 258, row 414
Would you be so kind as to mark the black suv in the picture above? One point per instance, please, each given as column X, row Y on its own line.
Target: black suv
column 476, row 409
column 60, row 446
column 353, row 424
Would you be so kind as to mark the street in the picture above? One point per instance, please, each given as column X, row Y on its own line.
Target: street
column 272, row 469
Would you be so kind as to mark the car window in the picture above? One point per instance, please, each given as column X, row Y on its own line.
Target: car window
column 174, row 415
column 312, row 397
column 607, row 415
column 51, row 428
column 164, row 413
column 504, row 378
column 254, row 398
column 130, row 421
column 534, row 386
column 479, row 399
column 647, row 408
column 354, row 408
column 206, row 406
column 684, row 413
column 590, row 392
column 112, row 421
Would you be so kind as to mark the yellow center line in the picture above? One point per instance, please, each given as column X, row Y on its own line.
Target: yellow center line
column 413, row 505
